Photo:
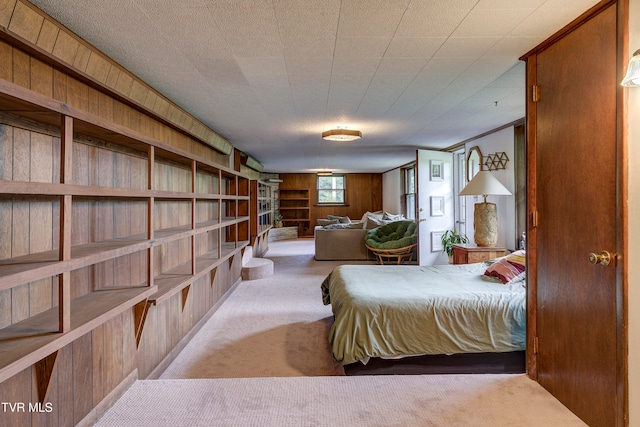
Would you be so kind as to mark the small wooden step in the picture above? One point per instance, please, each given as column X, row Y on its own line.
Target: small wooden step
column 257, row 268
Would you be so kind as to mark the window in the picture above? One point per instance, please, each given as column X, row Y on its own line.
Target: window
column 409, row 191
column 331, row 190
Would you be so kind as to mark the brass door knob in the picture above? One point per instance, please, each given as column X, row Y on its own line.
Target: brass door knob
column 604, row 258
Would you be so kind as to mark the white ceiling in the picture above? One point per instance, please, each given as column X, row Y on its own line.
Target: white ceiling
column 271, row 75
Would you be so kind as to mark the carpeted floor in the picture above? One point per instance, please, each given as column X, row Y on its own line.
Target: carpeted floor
column 263, row 359
column 271, row 327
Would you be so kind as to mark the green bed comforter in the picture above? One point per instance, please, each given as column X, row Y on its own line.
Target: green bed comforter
column 410, row 310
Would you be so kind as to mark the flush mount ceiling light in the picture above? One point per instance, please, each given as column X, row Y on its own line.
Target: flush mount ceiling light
column 341, row 135
column 632, row 78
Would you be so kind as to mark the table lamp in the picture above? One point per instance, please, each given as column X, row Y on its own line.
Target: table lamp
column 485, row 215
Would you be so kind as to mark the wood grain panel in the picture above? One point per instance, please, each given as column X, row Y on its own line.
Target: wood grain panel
column 6, row 65
column 63, row 410
column 113, row 363
column 41, row 77
column 97, row 364
column 48, row 35
column 60, row 85
column 26, row 22
column 16, row 389
column 21, row 68
column 83, row 376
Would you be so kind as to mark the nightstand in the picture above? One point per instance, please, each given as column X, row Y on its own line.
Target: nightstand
column 469, row 253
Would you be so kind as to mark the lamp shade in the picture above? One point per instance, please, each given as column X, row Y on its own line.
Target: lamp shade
column 632, row 78
column 484, row 184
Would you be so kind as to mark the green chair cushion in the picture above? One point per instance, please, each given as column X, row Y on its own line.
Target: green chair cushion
column 395, row 235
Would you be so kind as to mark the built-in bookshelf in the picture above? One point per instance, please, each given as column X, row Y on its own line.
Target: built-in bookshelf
column 294, row 208
column 262, row 210
column 103, row 219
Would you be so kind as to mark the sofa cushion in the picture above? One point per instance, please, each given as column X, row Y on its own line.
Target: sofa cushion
column 395, row 235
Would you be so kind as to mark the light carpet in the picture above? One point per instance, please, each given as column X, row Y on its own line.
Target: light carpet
column 271, row 327
column 418, row 400
column 277, row 327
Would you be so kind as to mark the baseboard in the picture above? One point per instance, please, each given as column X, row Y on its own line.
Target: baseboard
column 169, row 358
column 105, row 404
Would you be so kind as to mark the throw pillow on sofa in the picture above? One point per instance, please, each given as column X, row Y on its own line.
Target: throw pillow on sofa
column 324, row 221
column 341, row 219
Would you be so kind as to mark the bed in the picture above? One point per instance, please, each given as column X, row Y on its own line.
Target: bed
column 391, row 311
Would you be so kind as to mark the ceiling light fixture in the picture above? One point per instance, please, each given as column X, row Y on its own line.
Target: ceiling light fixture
column 325, row 173
column 341, row 135
column 632, row 78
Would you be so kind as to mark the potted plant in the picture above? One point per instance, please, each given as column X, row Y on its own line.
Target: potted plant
column 450, row 238
column 277, row 219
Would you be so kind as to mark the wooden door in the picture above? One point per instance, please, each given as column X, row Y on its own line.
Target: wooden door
column 577, row 203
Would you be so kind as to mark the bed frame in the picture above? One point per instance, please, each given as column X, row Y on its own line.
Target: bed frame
column 479, row 363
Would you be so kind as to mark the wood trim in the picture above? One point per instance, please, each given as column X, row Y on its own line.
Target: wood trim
column 48, row 110
column 622, row 215
column 140, row 311
column 570, row 27
column 44, row 371
column 66, row 150
column 532, row 273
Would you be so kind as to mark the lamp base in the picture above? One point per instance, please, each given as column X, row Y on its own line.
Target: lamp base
column 485, row 223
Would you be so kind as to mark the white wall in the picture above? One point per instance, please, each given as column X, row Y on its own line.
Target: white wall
column 502, row 140
column 392, row 191
column 633, row 254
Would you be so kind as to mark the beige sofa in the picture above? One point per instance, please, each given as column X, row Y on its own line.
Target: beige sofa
column 341, row 244
column 344, row 239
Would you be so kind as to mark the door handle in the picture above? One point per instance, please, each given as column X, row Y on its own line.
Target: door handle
column 603, row 258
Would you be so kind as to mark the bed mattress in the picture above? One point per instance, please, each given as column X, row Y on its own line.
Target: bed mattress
column 384, row 311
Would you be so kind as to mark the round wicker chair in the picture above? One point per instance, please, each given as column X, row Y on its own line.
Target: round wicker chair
column 394, row 241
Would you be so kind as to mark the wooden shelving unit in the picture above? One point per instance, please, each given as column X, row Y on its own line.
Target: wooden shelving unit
column 127, row 221
column 294, row 207
column 261, row 216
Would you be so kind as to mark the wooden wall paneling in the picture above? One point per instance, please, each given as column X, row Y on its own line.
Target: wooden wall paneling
column 16, row 389
column 93, row 101
column 144, row 352
column 5, row 308
column 364, row 193
column 6, row 65
column 97, row 364
column 6, row 209
column 41, row 77
column 20, row 246
column 132, row 330
column 63, row 408
column 113, row 364
column 80, row 161
column 21, row 155
column 159, row 346
column 6, row 152
column 78, row 94
column 83, row 376
column 21, row 68
column 60, row 85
